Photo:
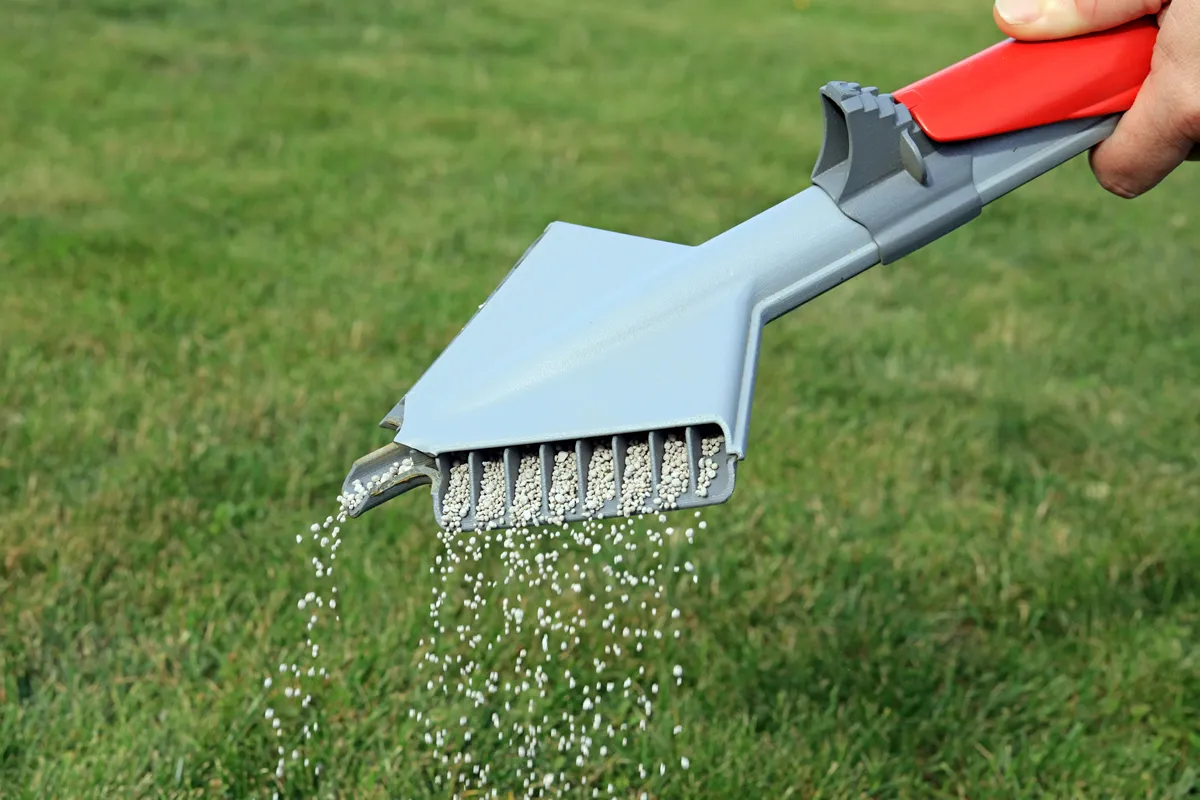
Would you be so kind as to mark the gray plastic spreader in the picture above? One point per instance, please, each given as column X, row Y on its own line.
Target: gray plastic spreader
column 603, row 339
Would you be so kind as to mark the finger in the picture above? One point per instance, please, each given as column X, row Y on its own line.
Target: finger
column 1147, row 145
column 1033, row 20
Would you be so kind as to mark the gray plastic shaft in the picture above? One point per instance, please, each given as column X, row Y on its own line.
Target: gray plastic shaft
column 1003, row 163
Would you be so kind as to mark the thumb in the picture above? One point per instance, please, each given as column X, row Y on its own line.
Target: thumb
column 1032, row 20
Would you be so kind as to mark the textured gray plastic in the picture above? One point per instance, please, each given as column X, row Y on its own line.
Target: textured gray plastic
column 598, row 338
column 881, row 169
column 907, row 190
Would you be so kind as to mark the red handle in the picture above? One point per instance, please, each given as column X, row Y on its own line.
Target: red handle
column 1014, row 85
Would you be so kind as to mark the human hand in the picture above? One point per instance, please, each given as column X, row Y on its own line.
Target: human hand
column 1162, row 128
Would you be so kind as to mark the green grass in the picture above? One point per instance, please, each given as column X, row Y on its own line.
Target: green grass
column 964, row 557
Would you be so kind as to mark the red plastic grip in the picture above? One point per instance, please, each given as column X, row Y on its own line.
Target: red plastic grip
column 1014, row 85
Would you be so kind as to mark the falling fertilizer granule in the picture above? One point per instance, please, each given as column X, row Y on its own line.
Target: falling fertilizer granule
column 550, row 644
column 298, row 680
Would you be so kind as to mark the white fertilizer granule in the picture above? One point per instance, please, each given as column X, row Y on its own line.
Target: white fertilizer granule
column 673, row 481
column 300, row 678
column 544, row 644
column 601, row 480
column 564, row 486
column 524, row 617
column 527, row 496
column 637, row 480
column 707, row 465
column 491, row 506
column 457, row 502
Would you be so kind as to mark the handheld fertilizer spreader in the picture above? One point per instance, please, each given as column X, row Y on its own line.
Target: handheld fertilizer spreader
column 592, row 341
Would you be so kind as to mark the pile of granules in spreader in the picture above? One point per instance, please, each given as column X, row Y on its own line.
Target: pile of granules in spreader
column 548, row 651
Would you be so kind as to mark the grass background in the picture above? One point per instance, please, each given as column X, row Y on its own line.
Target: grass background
column 964, row 558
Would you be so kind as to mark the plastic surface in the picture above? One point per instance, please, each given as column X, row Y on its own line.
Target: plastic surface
column 1015, row 85
column 907, row 190
column 1000, row 164
column 598, row 334
column 883, row 172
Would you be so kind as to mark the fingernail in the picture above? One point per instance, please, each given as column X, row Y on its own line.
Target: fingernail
column 1019, row 12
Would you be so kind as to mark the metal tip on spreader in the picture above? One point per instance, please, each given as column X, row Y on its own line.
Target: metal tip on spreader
column 383, row 474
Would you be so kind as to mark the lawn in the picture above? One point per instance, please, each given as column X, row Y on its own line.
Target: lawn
column 964, row 556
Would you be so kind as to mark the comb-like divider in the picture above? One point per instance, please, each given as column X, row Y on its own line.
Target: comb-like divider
column 694, row 441
column 512, row 467
column 444, row 463
column 619, row 444
column 546, row 455
column 611, row 507
column 719, row 489
column 658, row 446
column 576, row 511
column 583, row 459
column 475, row 468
